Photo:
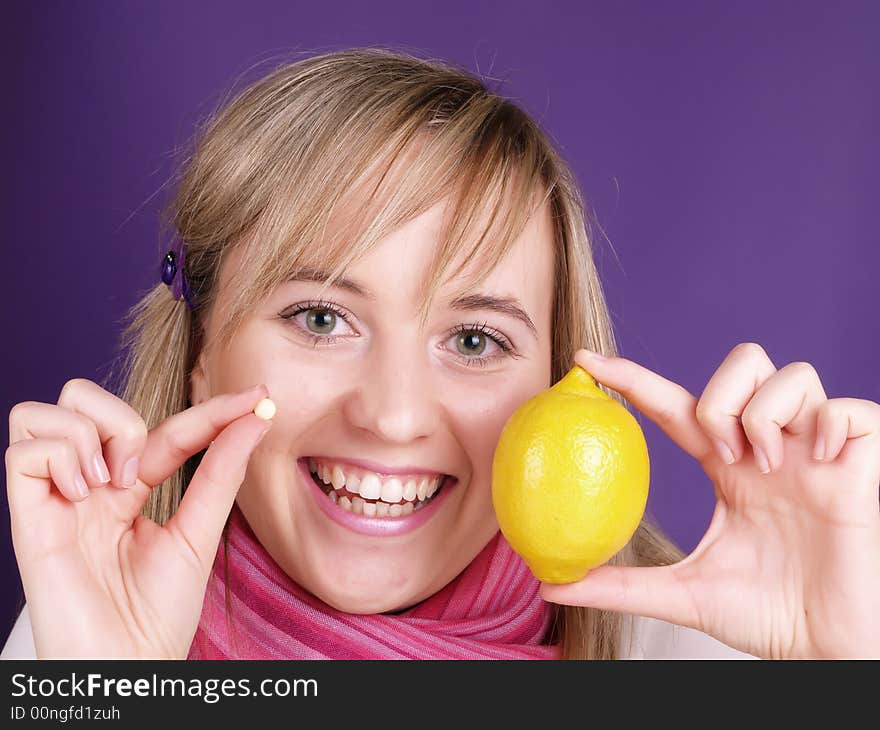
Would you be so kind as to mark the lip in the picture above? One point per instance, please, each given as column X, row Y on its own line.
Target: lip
column 381, row 468
column 374, row 526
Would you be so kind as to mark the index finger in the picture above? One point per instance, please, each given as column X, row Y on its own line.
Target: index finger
column 172, row 442
column 667, row 404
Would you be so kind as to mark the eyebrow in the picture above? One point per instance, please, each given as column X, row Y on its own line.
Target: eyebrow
column 508, row 306
column 503, row 305
column 322, row 276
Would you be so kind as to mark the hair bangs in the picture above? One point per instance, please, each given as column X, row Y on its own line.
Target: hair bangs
column 475, row 151
column 323, row 215
column 502, row 181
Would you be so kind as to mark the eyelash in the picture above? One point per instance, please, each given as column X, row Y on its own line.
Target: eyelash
column 483, row 328
column 507, row 349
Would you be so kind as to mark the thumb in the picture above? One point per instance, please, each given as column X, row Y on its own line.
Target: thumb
column 653, row 592
column 202, row 512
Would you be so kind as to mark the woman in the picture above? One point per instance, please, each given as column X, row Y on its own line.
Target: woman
column 399, row 259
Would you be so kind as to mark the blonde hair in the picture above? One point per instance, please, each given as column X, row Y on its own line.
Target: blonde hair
column 376, row 136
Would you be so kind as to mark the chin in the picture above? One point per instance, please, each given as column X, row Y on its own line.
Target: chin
column 367, row 602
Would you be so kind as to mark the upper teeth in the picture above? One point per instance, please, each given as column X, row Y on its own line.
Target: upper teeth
column 370, row 485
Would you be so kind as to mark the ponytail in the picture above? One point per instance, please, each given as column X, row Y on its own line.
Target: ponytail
column 158, row 346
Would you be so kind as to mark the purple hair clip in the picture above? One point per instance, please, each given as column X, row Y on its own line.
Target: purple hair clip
column 173, row 272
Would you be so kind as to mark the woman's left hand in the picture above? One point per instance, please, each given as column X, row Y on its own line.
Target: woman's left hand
column 790, row 564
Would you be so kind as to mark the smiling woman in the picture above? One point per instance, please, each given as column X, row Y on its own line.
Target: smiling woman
column 364, row 380
column 401, row 259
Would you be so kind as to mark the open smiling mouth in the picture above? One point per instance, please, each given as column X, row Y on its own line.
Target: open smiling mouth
column 366, row 493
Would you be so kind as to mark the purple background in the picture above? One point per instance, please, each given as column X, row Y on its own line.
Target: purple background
column 730, row 152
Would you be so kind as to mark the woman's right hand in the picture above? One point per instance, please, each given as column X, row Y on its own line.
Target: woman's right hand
column 100, row 579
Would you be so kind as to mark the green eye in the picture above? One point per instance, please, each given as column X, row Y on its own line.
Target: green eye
column 470, row 343
column 321, row 321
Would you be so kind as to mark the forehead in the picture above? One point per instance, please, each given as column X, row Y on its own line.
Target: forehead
column 411, row 193
column 410, row 229
column 403, row 264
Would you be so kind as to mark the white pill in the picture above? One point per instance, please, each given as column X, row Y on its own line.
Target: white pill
column 265, row 409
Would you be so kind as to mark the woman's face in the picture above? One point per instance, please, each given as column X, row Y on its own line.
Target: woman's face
column 386, row 411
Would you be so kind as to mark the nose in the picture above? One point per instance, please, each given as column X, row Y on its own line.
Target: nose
column 394, row 399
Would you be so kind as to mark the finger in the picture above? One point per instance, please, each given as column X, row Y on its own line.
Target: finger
column 789, row 399
column 653, row 592
column 667, row 404
column 33, row 465
column 177, row 438
column 202, row 512
column 32, row 420
column 745, row 369
column 840, row 419
column 121, row 430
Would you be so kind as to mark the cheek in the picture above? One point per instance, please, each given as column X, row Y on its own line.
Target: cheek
column 304, row 393
column 480, row 412
column 300, row 382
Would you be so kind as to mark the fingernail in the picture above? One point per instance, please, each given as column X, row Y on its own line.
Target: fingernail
column 819, row 449
column 724, row 452
column 82, row 489
column 761, row 459
column 101, row 469
column 130, row 472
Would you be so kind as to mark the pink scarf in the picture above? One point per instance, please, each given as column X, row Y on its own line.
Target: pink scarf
column 492, row 610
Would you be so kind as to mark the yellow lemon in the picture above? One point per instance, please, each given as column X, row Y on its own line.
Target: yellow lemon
column 570, row 479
